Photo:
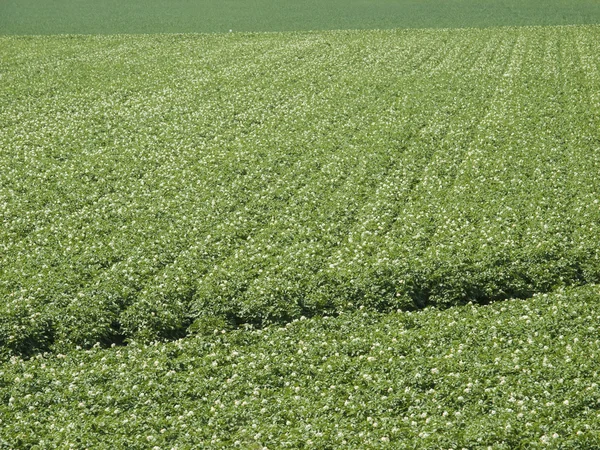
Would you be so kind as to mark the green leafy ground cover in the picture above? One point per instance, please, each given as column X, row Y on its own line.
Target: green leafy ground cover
column 510, row 375
column 262, row 218
column 193, row 16
column 157, row 185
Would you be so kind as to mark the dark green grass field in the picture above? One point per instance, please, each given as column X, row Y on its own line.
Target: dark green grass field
column 200, row 16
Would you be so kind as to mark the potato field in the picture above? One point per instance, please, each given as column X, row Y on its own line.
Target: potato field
column 317, row 239
column 161, row 183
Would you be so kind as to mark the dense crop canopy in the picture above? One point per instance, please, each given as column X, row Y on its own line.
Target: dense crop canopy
column 514, row 374
column 151, row 183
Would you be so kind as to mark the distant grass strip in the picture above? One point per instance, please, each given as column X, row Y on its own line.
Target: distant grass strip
column 152, row 184
column 202, row 16
column 515, row 374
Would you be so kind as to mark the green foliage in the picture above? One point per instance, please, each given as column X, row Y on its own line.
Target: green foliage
column 149, row 181
column 194, row 16
column 208, row 325
column 513, row 374
column 284, row 209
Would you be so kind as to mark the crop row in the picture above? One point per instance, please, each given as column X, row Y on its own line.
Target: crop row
column 158, row 182
column 519, row 373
